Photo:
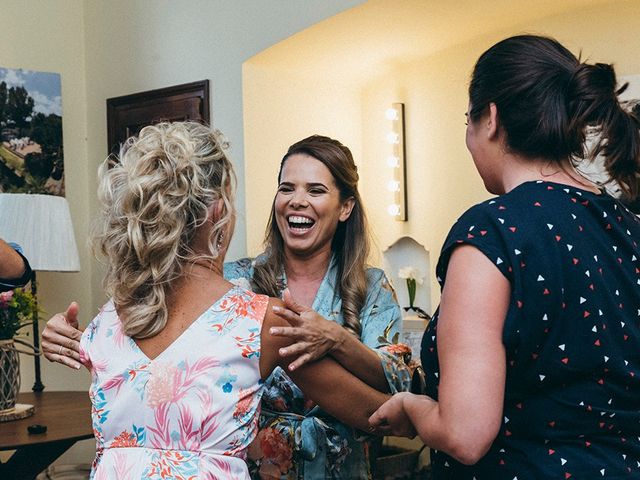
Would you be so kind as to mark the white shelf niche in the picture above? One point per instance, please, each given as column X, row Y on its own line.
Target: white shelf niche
column 407, row 252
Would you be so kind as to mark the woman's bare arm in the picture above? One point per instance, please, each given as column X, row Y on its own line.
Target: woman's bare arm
column 324, row 381
column 11, row 263
column 314, row 337
column 467, row 416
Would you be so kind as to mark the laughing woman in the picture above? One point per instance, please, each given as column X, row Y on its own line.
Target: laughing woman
column 316, row 247
column 179, row 355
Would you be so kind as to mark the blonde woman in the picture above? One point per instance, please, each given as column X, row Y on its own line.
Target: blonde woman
column 178, row 355
column 316, row 245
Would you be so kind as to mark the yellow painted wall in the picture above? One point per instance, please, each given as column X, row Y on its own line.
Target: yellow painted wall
column 275, row 120
column 442, row 181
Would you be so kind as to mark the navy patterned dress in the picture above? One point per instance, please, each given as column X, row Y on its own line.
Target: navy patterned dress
column 572, row 334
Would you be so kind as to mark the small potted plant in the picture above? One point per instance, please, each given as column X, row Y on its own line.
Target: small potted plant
column 17, row 310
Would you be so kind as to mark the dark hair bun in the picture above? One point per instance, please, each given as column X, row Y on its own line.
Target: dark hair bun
column 546, row 98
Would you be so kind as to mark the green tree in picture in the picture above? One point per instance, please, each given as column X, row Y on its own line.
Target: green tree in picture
column 31, row 149
column 3, row 102
column 46, row 130
column 19, row 108
column 39, row 166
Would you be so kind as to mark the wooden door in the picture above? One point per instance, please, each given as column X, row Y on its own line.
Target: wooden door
column 126, row 115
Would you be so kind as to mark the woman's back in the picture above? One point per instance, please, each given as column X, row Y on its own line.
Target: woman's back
column 572, row 333
column 189, row 412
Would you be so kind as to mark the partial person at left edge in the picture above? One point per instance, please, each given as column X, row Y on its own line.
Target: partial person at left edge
column 14, row 267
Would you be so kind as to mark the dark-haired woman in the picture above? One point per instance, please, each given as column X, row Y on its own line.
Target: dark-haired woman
column 533, row 359
column 317, row 245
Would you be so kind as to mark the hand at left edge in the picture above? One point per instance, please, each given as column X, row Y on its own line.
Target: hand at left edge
column 313, row 336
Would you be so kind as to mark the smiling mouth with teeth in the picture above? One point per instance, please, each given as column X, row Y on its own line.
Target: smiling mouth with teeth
column 300, row 223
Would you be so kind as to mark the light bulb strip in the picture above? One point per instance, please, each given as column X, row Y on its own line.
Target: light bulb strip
column 399, row 207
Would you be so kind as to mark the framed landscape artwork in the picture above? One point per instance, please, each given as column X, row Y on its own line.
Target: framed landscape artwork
column 31, row 149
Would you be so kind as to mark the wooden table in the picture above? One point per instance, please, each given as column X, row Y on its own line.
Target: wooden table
column 67, row 416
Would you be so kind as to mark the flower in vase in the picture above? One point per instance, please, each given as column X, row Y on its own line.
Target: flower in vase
column 413, row 278
column 17, row 310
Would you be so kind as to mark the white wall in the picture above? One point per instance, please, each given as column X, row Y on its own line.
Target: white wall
column 29, row 39
column 140, row 45
column 49, row 36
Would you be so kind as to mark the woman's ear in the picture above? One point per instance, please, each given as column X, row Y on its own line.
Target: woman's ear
column 214, row 211
column 202, row 234
column 492, row 122
column 346, row 208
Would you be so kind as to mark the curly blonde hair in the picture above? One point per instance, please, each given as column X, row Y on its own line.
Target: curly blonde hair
column 153, row 200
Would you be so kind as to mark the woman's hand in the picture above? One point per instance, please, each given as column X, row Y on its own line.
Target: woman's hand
column 61, row 338
column 313, row 335
column 391, row 418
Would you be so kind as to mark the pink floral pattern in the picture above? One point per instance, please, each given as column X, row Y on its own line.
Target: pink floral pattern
column 189, row 413
column 275, row 452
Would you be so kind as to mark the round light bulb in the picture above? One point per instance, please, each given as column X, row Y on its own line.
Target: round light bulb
column 391, row 114
column 393, row 161
column 393, row 210
column 393, row 137
column 393, row 186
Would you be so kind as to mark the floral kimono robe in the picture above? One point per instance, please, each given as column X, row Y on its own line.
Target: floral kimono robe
column 297, row 440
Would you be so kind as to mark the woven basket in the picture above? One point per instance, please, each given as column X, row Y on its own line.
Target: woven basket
column 395, row 463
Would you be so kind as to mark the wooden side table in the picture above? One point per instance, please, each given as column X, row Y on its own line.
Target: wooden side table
column 67, row 416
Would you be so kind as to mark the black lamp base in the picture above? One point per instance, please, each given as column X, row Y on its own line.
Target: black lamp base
column 38, row 385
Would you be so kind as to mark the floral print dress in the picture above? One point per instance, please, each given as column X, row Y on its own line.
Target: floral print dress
column 297, row 440
column 191, row 412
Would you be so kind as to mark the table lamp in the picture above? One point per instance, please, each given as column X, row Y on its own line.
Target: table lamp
column 41, row 225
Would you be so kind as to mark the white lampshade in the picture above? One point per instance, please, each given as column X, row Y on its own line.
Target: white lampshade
column 41, row 225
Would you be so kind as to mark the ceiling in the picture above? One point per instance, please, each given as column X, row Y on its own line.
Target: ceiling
column 366, row 39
